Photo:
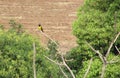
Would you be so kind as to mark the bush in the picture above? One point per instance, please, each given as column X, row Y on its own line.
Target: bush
column 98, row 23
column 16, row 55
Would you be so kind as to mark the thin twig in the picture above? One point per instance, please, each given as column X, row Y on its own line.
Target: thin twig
column 86, row 73
column 59, row 64
column 53, row 61
column 34, row 56
column 67, row 66
column 63, row 72
column 114, row 59
column 108, row 51
column 64, row 63
column 117, row 49
column 50, row 38
column 103, row 59
column 68, row 60
column 111, row 62
column 96, row 51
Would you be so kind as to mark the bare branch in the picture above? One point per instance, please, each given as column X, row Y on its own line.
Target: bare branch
column 111, row 62
column 64, row 63
column 86, row 73
column 114, row 60
column 105, row 63
column 67, row 66
column 103, row 59
column 63, row 72
column 112, row 44
column 117, row 49
column 53, row 61
column 68, row 60
column 96, row 51
column 34, row 56
column 103, row 70
column 50, row 38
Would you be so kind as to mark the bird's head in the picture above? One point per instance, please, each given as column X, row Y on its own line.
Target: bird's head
column 39, row 24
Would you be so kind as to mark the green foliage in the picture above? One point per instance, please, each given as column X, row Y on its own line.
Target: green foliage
column 78, row 56
column 94, row 69
column 98, row 23
column 16, row 55
column 112, row 70
column 53, row 50
column 15, row 51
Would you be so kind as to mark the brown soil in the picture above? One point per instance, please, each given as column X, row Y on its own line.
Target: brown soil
column 56, row 17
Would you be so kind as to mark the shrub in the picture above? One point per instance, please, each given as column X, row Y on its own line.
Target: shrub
column 16, row 55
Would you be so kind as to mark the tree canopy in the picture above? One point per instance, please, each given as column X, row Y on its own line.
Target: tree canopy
column 97, row 23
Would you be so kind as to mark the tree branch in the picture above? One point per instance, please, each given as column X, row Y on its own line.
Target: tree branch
column 96, row 51
column 108, row 51
column 63, row 72
column 103, row 70
column 117, row 49
column 114, row 60
column 103, row 59
column 64, row 63
column 34, row 56
column 67, row 66
column 49, row 38
column 68, row 60
column 111, row 62
column 53, row 61
column 86, row 73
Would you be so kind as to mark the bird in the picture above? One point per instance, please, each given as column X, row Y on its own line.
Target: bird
column 40, row 27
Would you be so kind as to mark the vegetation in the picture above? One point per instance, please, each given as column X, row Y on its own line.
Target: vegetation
column 96, row 27
column 97, row 55
column 16, row 55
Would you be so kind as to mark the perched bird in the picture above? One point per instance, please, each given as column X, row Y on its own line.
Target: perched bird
column 40, row 28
